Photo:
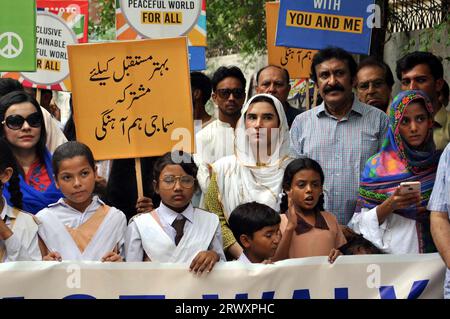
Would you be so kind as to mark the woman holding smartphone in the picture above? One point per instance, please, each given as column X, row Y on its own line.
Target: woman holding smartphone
column 391, row 216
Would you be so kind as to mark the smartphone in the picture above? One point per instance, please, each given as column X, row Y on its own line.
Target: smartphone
column 409, row 187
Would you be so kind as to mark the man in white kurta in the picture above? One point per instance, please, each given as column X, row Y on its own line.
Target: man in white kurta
column 151, row 235
column 216, row 140
column 55, row 219
column 22, row 245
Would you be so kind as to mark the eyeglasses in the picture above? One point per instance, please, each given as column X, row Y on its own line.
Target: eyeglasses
column 169, row 181
column 225, row 93
column 15, row 122
column 364, row 86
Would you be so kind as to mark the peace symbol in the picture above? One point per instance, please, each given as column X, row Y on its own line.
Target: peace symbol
column 10, row 50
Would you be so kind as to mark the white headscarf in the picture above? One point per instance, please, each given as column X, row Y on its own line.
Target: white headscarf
column 240, row 179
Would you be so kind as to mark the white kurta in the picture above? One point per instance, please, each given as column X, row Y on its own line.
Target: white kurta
column 53, row 232
column 157, row 237
column 397, row 235
column 23, row 243
column 214, row 141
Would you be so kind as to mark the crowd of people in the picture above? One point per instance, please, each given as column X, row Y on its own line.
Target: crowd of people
column 362, row 173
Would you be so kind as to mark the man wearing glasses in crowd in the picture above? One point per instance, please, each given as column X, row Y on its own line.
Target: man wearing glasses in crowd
column 216, row 140
column 374, row 81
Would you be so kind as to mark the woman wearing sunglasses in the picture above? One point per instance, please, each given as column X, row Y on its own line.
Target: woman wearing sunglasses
column 22, row 127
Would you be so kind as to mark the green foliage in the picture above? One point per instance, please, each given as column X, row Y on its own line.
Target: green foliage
column 105, row 28
column 236, row 27
column 439, row 34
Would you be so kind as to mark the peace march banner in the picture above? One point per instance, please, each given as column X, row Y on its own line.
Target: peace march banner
column 132, row 98
column 316, row 24
column 17, row 35
column 350, row 277
column 58, row 24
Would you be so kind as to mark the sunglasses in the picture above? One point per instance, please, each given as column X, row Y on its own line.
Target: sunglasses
column 225, row 93
column 15, row 122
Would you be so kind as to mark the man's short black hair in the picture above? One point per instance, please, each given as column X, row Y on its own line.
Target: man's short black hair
column 285, row 73
column 248, row 218
column 374, row 62
column 333, row 53
column 445, row 90
column 410, row 60
column 201, row 82
column 227, row 72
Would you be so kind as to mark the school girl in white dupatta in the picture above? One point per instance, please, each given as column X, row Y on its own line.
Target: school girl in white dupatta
column 80, row 226
column 18, row 230
column 175, row 232
column 255, row 171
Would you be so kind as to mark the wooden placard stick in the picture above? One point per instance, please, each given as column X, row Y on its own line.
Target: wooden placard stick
column 137, row 165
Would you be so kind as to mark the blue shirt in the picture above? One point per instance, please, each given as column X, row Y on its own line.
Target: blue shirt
column 341, row 147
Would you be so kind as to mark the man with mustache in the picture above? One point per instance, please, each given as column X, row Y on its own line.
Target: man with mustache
column 341, row 133
column 374, row 81
column 216, row 140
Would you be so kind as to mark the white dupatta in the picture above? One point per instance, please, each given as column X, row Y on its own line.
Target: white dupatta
column 240, row 179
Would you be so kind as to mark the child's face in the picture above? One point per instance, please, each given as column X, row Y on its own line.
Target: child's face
column 306, row 188
column 264, row 242
column 76, row 180
column 175, row 187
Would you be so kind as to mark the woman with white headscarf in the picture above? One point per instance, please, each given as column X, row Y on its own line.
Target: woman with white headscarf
column 255, row 171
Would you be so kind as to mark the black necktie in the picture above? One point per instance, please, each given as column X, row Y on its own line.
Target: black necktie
column 178, row 224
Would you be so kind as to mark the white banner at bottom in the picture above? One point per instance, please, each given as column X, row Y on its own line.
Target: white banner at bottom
column 368, row 276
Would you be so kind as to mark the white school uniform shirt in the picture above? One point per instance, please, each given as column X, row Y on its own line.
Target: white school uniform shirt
column 396, row 235
column 110, row 233
column 22, row 245
column 134, row 250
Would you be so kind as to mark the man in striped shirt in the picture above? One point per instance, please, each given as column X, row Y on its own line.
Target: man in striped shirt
column 341, row 133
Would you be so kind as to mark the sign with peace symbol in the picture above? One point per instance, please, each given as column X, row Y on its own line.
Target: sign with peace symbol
column 13, row 46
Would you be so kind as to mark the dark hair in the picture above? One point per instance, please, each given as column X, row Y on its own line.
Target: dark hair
column 70, row 129
column 203, row 83
column 358, row 245
column 70, row 150
column 410, row 60
column 175, row 158
column 227, row 72
column 293, row 168
column 248, row 218
column 18, row 97
column 285, row 73
column 267, row 100
column 445, row 90
column 374, row 62
column 7, row 159
column 8, row 85
column 333, row 53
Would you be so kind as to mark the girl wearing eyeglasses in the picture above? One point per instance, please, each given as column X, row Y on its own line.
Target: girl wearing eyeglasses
column 175, row 231
column 22, row 127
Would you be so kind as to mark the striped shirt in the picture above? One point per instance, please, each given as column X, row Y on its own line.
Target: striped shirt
column 341, row 147
column 440, row 199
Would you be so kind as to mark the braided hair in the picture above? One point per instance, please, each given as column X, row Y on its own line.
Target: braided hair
column 7, row 159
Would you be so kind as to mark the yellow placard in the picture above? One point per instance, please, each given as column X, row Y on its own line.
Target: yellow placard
column 132, row 98
column 322, row 21
column 296, row 61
